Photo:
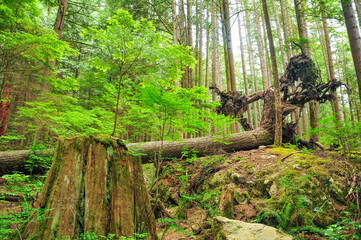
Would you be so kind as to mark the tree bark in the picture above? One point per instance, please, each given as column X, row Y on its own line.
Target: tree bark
column 354, row 39
column 4, row 106
column 276, row 83
column 244, row 69
column 251, row 63
column 260, row 47
column 331, row 68
column 93, row 186
column 227, row 42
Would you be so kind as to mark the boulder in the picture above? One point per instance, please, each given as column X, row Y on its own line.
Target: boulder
column 227, row 229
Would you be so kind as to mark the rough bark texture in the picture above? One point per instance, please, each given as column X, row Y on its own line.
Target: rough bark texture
column 244, row 69
column 204, row 145
column 93, row 186
column 354, row 38
column 16, row 160
column 4, row 108
column 228, row 51
column 276, row 82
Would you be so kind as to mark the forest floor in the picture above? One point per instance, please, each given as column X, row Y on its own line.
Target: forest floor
column 301, row 192
column 309, row 195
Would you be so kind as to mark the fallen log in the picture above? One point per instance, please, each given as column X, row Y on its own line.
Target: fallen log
column 202, row 146
column 15, row 161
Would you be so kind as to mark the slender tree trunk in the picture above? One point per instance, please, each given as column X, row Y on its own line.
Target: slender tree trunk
column 279, row 35
column 354, row 39
column 244, row 70
column 227, row 41
column 206, row 83
column 254, row 122
column 276, row 83
column 58, row 28
column 5, row 105
column 331, row 67
column 190, row 77
column 260, row 47
column 183, row 37
column 228, row 52
column 214, row 49
column 60, row 17
column 200, row 49
column 358, row 10
column 286, row 30
column 303, row 34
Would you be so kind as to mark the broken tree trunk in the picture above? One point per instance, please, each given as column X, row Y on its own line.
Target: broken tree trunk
column 93, row 186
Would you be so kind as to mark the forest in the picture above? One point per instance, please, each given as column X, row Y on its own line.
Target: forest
column 180, row 119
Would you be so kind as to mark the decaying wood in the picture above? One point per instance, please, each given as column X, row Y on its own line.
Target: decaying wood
column 301, row 75
column 94, row 185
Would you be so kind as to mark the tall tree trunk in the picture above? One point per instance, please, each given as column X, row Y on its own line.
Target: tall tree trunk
column 227, row 41
column 331, row 67
column 228, row 52
column 303, row 34
column 190, row 77
column 354, row 39
column 252, row 65
column 279, row 35
column 5, row 106
column 200, row 49
column 260, row 47
column 183, row 37
column 214, row 49
column 287, row 32
column 93, row 186
column 358, row 10
column 244, row 69
column 58, row 27
column 60, row 17
column 276, row 83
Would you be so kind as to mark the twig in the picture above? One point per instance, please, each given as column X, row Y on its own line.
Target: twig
column 289, row 155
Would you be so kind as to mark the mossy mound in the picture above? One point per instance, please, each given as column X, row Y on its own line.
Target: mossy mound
column 280, row 187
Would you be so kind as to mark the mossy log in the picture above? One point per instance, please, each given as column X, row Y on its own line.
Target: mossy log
column 93, row 186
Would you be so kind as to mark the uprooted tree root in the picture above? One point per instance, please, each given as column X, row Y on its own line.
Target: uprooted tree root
column 300, row 84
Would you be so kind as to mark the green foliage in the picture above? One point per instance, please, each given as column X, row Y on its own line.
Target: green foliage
column 38, row 161
column 172, row 224
column 345, row 134
column 94, row 236
column 22, row 185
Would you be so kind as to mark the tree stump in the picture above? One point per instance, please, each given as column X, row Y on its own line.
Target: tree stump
column 93, row 186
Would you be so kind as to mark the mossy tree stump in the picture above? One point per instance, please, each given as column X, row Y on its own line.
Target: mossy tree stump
column 93, row 186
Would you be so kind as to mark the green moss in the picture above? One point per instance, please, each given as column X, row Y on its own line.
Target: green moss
column 107, row 141
column 228, row 210
column 281, row 151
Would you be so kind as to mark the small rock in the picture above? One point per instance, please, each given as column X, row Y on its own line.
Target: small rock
column 238, row 230
column 268, row 156
column 262, row 148
column 273, row 190
column 296, row 166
